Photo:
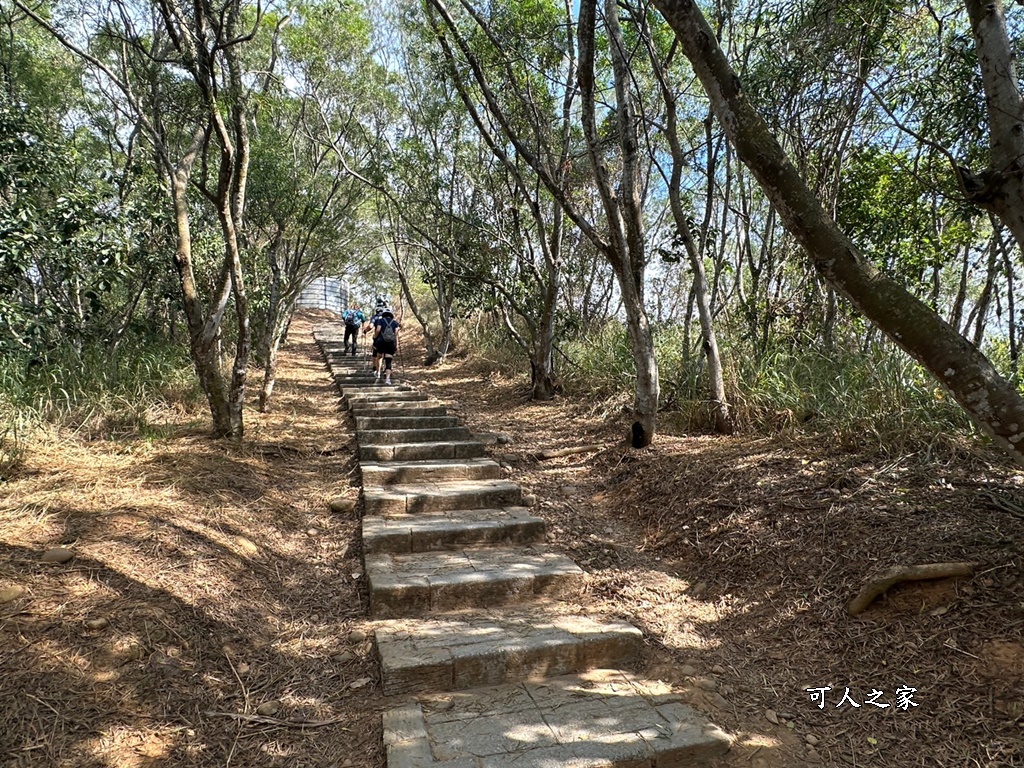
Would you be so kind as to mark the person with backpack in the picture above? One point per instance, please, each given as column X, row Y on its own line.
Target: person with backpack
column 354, row 320
column 385, row 342
column 371, row 325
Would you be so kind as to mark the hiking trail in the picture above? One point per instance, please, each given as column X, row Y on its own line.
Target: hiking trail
column 465, row 595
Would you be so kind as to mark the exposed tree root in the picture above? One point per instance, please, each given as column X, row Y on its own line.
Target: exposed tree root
column 899, row 574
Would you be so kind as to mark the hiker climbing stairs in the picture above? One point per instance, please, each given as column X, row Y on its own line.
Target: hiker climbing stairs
column 493, row 670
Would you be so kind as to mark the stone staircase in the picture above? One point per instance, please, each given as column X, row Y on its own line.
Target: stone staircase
column 468, row 629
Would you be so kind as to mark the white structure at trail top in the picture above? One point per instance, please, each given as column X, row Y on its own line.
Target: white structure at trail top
column 330, row 293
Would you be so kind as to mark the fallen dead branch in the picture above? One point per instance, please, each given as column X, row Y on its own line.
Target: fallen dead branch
column 899, row 574
column 276, row 721
column 554, row 453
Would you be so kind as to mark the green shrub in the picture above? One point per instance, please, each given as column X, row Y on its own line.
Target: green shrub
column 872, row 393
column 92, row 389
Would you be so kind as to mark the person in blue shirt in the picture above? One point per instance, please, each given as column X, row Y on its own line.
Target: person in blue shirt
column 354, row 320
column 385, row 342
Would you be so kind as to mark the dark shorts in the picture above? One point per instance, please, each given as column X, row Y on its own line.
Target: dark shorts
column 382, row 347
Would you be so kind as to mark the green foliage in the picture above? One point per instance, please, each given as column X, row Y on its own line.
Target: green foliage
column 878, row 394
column 103, row 393
column 72, row 386
column 897, row 219
column 67, row 256
column 601, row 363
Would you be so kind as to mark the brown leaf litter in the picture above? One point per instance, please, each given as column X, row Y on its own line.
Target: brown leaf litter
column 214, row 613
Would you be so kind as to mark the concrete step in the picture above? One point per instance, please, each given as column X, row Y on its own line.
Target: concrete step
column 391, row 408
column 394, row 436
column 413, row 498
column 341, row 373
column 384, row 394
column 349, row 366
column 372, row 386
column 428, row 470
column 453, row 529
column 343, row 376
column 355, row 381
column 599, row 718
column 408, row 585
column 406, row 422
column 342, row 358
column 458, row 449
column 479, row 648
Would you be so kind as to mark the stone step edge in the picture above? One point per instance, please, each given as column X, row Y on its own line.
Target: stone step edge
column 374, row 473
column 394, row 592
column 379, row 501
column 454, row 529
column 471, row 649
column 444, row 449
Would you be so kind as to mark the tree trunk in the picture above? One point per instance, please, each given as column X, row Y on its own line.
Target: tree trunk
column 202, row 347
column 645, row 398
column 991, row 401
column 1000, row 187
column 274, row 328
column 625, row 247
column 701, row 291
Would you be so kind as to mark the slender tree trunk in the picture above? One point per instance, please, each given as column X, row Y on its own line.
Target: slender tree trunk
column 202, row 346
column 986, row 292
column 1011, row 310
column 274, row 328
column 991, row 401
column 716, row 377
column 957, row 313
column 542, row 360
column 625, row 249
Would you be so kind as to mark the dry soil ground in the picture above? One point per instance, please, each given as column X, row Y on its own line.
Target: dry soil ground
column 214, row 612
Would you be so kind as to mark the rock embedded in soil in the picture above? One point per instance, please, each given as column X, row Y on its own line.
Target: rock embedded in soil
column 246, row 545
column 57, row 555
column 717, row 700
column 269, row 708
column 7, row 594
column 811, row 739
column 342, row 658
column 100, row 622
column 705, row 683
column 718, row 669
column 688, row 670
column 529, row 500
column 342, row 505
column 356, row 636
column 570, row 490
